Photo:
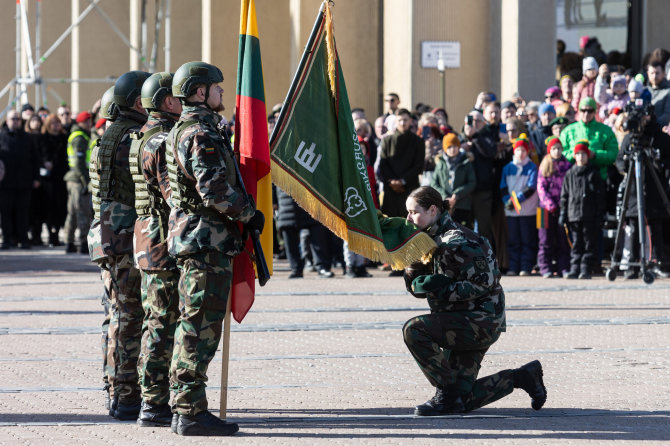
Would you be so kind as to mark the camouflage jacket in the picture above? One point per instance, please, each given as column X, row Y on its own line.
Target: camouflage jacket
column 151, row 252
column 204, row 163
column 111, row 232
column 465, row 276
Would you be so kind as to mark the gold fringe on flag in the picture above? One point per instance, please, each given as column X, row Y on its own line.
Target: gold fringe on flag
column 421, row 246
column 330, row 45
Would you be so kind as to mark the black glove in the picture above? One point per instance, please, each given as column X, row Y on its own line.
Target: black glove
column 415, row 270
column 257, row 222
column 509, row 206
column 561, row 220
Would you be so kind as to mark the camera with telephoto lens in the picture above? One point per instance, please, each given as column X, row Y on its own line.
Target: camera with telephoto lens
column 636, row 111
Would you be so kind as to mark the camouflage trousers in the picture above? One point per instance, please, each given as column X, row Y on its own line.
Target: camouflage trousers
column 79, row 212
column 125, row 329
column 449, row 348
column 107, row 308
column 203, row 292
column 160, row 300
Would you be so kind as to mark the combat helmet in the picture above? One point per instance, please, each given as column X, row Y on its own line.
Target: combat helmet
column 155, row 89
column 192, row 74
column 108, row 109
column 128, row 87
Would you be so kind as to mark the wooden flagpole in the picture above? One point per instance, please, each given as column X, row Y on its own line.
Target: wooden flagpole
column 225, row 359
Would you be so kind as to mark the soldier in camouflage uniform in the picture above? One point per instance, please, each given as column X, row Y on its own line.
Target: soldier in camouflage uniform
column 76, row 180
column 467, row 303
column 160, row 276
column 110, row 242
column 110, row 112
column 207, row 202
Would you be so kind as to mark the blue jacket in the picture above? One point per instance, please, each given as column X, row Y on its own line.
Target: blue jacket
column 523, row 181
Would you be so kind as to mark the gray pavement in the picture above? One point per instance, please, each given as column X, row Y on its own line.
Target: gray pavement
column 323, row 361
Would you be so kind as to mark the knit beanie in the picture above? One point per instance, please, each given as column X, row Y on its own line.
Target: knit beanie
column 521, row 142
column 582, row 146
column 583, row 41
column 587, row 102
column 545, row 108
column 450, row 139
column 589, row 63
column 550, row 141
column 635, row 86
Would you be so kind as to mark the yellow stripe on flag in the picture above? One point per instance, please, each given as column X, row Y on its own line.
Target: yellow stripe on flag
column 264, row 194
column 248, row 23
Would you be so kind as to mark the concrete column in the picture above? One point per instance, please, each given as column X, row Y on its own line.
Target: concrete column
column 656, row 16
column 74, row 62
column 528, row 47
column 399, row 41
column 206, row 31
column 296, row 47
column 134, row 34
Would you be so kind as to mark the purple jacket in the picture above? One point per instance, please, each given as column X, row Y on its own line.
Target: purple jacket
column 549, row 188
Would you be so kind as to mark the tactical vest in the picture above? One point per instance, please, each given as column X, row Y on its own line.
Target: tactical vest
column 110, row 183
column 72, row 153
column 184, row 194
column 148, row 198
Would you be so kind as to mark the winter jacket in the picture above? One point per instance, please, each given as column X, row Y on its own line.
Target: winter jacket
column 660, row 99
column 602, row 143
column 462, row 184
column 21, row 158
column 522, row 179
column 585, row 88
column 484, row 149
column 549, row 188
column 583, row 194
column 290, row 215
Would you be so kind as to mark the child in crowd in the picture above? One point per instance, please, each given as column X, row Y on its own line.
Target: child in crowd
column 454, row 178
column 553, row 240
column 582, row 208
column 614, row 99
column 518, row 183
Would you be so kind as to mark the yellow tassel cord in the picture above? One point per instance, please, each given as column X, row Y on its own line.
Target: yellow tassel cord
column 330, row 46
column 420, row 248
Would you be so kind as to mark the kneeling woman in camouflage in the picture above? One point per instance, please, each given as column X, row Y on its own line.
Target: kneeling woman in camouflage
column 467, row 315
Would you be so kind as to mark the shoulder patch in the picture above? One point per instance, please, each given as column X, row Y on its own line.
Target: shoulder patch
column 480, row 263
column 210, row 150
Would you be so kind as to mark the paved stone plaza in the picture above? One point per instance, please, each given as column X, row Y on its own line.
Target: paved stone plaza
column 323, row 361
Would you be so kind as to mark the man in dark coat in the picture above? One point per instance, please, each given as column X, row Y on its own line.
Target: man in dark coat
column 22, row 169
column 401, row 162
column 291, row 220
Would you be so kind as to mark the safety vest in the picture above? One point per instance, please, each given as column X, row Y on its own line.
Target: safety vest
column 72, row 153
column 109, row 183
column 148, row 198
column 184, row 196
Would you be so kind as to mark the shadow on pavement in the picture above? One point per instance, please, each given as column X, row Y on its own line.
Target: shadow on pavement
column 550, row 423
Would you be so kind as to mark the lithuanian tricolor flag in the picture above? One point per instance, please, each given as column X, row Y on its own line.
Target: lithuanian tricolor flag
column 515, row 202
column 542, row 218
column 251, row 142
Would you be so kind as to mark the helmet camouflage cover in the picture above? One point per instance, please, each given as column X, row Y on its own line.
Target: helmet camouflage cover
column 192, row 74
column 155, row 89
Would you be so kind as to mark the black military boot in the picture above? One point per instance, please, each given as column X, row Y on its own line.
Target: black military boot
column 83, row 249
column 154, row 415
column 70, row 248
column 175, row 421
column 127, row 411
column 529, row 378
column 108, row 402
column 206, row 424
column 112, row 405
column 440, row 404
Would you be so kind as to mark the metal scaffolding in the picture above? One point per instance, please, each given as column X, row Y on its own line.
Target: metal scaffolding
column 17, row 88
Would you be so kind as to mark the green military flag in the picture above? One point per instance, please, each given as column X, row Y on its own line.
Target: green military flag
column 318, row 161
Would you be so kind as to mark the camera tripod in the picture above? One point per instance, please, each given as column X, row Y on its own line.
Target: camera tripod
column 637, row 170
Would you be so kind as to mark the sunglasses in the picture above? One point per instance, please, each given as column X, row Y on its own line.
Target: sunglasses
column 586, row 110
column 389, row 100
column 15, row 119
column 64, row 114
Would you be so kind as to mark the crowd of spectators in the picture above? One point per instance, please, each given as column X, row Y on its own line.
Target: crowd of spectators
column 539, row 178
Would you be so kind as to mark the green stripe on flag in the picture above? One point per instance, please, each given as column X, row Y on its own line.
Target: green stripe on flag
column 249, row 71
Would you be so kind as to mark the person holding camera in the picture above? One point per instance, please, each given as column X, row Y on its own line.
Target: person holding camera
column 467, row 314
column 656, row 215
